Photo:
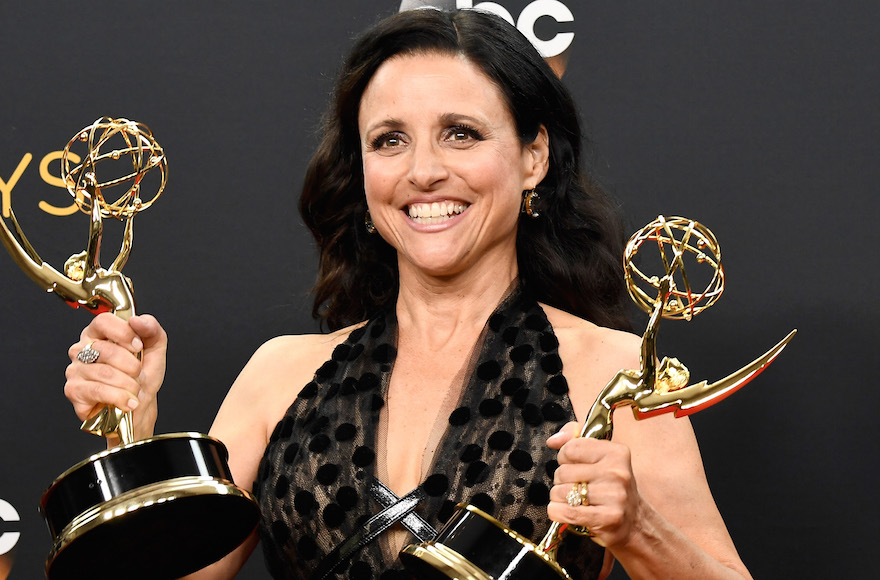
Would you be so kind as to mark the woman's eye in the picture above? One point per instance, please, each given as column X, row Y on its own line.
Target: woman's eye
column 461, row 134
column 386, row 141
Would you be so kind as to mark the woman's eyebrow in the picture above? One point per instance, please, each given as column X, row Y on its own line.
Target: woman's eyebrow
column 451, row 118
column 388, row 123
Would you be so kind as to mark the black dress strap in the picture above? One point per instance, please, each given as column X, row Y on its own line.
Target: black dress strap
column 399, row 510
column 413, row 522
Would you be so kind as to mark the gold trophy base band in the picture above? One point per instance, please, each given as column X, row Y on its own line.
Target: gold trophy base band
column 446, row 561
column 450, row 563
column 142, row 497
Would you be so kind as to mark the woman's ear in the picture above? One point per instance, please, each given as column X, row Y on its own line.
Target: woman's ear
column 538, row 159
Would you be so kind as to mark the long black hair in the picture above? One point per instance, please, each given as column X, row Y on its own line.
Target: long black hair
column 569, row 257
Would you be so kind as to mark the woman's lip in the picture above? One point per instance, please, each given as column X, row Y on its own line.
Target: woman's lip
column 433, row 223
column 435, row 209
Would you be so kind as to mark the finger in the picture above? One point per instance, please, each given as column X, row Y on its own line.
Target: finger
column 104, row 374
column 108, row 354
column 567, row 433
column 568, row 473
column 593, row 493
column 560, row 511
column 562, row 493
column 87, row 396
column 149, row 331
column 587, row 517
column 565, row 512
column 607, row 523
column 612, row 467
column 109, row 327
column 586, row 450
column 155, row 344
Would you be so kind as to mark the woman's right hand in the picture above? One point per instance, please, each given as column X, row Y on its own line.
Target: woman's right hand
column 118, row 377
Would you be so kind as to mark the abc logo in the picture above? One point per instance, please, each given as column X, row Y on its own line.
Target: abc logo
column 525, row 23
column 8, row 539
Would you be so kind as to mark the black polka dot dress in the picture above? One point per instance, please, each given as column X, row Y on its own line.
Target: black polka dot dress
column 314, row 480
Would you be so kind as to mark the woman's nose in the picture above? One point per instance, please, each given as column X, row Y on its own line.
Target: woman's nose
column 427, row 165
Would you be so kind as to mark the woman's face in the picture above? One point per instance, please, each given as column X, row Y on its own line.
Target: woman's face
column 444, row 169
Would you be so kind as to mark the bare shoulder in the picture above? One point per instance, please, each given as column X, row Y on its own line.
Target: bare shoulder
column 289, row 361
column 591, row 355
column 274, row 375
column 294, row 353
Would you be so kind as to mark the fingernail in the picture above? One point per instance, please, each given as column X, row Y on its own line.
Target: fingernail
column 137, row 344
column 557, row 434
column 133, row 404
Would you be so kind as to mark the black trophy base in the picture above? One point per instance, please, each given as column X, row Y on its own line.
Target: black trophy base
column 475, row 546
column 157, row 508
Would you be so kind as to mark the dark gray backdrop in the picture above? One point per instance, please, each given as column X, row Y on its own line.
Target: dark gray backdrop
column 757, row 118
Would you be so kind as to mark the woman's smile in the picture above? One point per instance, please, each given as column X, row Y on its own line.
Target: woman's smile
column 434, row 212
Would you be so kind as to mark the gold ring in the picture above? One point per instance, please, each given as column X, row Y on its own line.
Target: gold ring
column 88, row 355
column 581, row 531
column 578, row 495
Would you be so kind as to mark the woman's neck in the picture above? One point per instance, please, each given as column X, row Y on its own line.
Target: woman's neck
column 435, row 311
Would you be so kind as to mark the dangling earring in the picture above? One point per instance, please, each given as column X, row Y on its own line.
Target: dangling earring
column 530, row 199
column 368, row 223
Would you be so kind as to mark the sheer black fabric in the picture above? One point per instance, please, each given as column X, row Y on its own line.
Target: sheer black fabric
column 492, row 454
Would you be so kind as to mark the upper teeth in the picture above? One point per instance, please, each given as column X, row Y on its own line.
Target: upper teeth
column 436, row 209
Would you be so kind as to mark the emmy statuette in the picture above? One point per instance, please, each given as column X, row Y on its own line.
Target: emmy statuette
column 473, row 545
column 156, row 508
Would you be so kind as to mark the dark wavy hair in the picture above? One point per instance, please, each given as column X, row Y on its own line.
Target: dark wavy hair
column 569, row 257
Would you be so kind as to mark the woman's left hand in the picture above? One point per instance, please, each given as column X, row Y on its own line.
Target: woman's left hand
column 611, row 505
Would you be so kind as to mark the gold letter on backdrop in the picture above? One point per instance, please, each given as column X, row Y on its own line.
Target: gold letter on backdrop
column 57, row 182
column 6, row 187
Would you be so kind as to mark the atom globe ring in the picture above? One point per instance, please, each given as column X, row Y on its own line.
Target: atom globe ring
column 677, row 239
column 133, row 153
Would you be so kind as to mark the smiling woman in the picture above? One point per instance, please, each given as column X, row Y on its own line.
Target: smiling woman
column 479, row 271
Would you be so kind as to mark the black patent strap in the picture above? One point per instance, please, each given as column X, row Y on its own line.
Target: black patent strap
column 416, row 524
column 368, row 532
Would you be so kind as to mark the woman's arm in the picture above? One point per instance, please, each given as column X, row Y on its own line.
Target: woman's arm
column 649, row 502
column 257, row 400
column 242, row 424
